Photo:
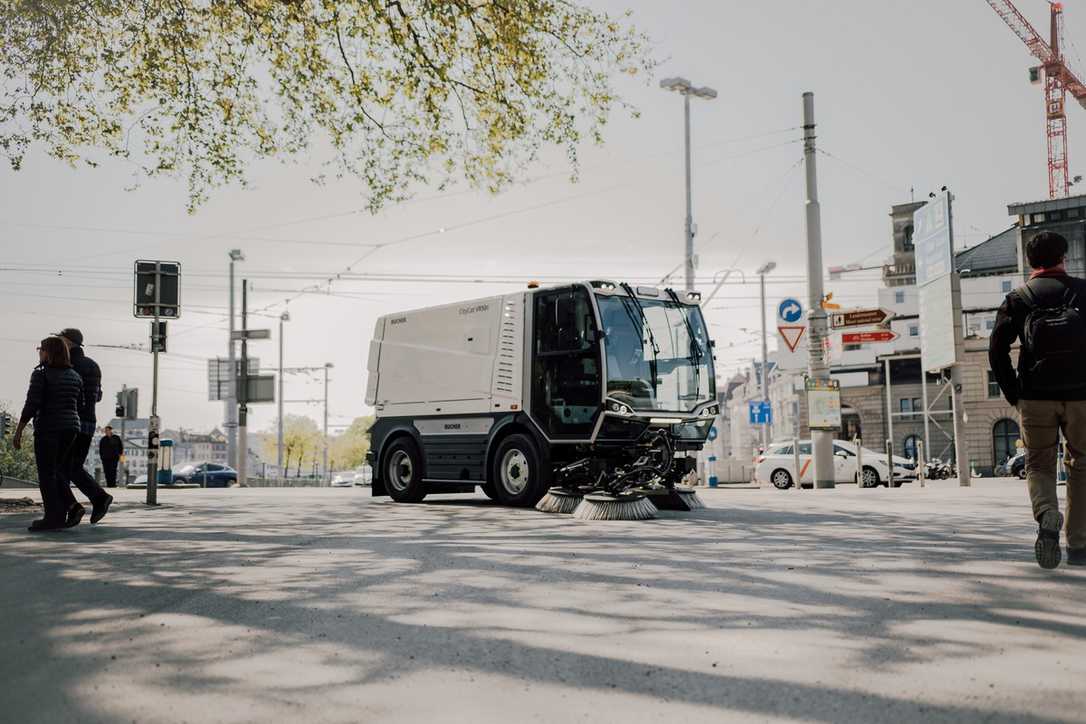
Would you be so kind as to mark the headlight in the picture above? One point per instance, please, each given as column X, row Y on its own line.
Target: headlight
column 710, row 411
column 619, row 408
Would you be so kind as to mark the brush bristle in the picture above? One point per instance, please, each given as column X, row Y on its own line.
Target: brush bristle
column 599, row 507
column 558, row 501
column 693, row 502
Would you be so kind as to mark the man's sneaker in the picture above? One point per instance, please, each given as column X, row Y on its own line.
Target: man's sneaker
column 1047, row 547
column 1076, row 556
column 101, row 508
column 75, row 514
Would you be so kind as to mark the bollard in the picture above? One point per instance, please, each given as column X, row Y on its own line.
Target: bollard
column 858, row 441
column 795, row 459
column 890, row 462
column 920, row 462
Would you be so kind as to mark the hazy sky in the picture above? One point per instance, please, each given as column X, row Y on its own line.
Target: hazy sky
column 908, row 95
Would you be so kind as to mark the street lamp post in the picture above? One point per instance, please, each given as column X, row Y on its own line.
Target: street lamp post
column 687, row 89
column 231, row 401
column 327, row 366
column 762, row 271
column 284, row 317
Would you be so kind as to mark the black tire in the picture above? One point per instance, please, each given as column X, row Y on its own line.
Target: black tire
column 517, row 473
column 781, row 479
column 403, row 471
column 870, row 478
column 1022, row 474
column 489, row 490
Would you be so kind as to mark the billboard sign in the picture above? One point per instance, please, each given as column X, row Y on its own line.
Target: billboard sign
column 934, row 244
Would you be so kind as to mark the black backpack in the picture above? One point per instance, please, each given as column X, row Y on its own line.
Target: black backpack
column 1055, row 335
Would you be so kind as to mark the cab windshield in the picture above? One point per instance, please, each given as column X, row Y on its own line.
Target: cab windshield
column 658, row 354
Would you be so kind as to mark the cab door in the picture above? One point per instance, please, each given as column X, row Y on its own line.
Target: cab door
column 844, row 464
column 567, row 389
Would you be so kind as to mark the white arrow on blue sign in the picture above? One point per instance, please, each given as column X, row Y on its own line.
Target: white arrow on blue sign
column 790, row 311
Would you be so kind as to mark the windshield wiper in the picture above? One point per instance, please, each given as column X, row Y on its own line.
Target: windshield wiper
column 644, row 323
column 694, row 354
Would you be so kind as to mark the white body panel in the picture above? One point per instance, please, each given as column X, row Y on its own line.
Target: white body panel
column 463, row 358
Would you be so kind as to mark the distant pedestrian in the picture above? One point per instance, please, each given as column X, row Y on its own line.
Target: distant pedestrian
column 92, row 393
column 1049, row 389
column 52, row 402
column 110, row 450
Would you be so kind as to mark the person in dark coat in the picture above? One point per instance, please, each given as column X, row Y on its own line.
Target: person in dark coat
column 1048, row 315
column 52, row 402
column 110, row 450
column 92, row 393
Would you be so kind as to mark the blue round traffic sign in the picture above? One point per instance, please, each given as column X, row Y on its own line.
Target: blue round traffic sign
column 790, row 310
column 712, row 433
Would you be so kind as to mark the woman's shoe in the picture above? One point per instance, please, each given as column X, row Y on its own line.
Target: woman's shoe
column 75, row 514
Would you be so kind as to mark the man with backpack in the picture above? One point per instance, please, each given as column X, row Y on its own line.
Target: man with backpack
column 1048, row 315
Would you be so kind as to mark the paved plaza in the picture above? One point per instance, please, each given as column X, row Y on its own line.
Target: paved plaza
column 256, row 605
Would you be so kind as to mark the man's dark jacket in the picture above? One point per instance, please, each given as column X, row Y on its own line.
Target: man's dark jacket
column 110, row 447
column 92, row 388
column 1049, row 288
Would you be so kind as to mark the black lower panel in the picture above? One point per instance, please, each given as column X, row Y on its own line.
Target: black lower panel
column 455, row 457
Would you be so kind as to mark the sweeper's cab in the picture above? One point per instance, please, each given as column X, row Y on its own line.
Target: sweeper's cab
column 570, row 385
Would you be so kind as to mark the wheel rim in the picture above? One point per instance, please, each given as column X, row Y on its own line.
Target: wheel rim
column 871, row 478
column 782, row 479
column 514, row 472
column 400, row 470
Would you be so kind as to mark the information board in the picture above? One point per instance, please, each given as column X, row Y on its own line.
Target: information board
column 823, row 404
column 934, row 244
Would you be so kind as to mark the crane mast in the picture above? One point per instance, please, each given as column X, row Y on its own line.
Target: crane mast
column 1058, row 80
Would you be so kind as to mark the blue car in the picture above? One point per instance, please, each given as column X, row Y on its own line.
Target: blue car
column 209, row 475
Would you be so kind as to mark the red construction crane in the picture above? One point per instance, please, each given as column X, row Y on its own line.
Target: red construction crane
column 1058, row 80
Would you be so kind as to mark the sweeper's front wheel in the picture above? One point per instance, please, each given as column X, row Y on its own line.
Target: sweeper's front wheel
column 517, row 473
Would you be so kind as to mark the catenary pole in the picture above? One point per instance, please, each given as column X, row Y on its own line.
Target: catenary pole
column 284, row 317
column 689, row 254
column 243, row 391
column 327, row 366
column 231, row 401
column 818, row 370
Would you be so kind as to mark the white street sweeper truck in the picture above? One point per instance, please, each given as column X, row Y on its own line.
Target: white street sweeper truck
column 595, row 387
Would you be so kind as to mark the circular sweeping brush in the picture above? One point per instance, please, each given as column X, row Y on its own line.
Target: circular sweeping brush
column 559, row 500
column 603, row 506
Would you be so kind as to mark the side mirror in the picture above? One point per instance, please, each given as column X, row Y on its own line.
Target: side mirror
column 841, row 454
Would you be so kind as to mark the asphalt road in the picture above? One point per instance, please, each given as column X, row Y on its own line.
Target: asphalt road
column 327, row 605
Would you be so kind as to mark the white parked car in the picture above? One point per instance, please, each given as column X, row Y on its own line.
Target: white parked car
column 343, row 480
column 363, row 476
column 778, row 466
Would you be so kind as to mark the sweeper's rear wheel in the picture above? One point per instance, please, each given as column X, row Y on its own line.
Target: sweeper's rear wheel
column 403, row 471
column 517, row 474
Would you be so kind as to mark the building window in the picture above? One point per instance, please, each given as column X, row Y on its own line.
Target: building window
column 1037, row 219
column 1005, row 436
column 918, row 405
column 989, row 325
column 914, row 330
column 993, row 386
column 909, row 447
column 1073, row 213
column 906, row 405
column 908, row 245
column 1055, row 216
column 899, row 297
column 1006, row 285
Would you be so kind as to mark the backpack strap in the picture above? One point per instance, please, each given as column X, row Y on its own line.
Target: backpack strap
column 1029, row 297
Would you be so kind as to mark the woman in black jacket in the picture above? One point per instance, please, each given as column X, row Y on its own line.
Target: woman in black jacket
column 52, row 401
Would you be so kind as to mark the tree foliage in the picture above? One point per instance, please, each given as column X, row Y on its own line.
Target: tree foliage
column 398, row 91
column 17, row 463
column 348, row 449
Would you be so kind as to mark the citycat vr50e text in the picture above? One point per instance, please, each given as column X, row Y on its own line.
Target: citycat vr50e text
column 594, row 386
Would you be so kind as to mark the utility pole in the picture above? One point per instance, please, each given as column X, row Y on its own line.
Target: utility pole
column 327, row 366
column 153, row 423
column 231, row 401
column 284, row 317
column 243, row 390
column 686, row 88
column 765, row 269
column 818, row 370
